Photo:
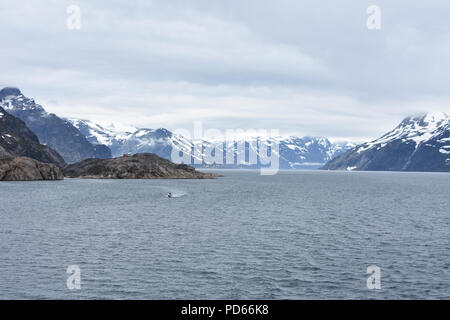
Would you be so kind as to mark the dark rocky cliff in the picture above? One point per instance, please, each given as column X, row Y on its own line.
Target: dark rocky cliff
column 17, row 140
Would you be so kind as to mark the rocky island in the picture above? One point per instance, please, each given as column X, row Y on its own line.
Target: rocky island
column 138, row 166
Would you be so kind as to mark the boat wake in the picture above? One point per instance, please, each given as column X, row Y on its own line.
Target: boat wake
column 177, row 195
column 174, row 193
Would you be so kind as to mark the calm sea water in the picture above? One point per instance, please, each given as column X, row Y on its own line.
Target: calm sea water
column 296, row 235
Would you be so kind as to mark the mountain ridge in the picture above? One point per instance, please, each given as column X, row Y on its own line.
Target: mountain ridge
column 418, row 143
column 295, row 152
column 51, row 130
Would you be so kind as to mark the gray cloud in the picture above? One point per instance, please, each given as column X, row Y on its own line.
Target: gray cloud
column 305, row 67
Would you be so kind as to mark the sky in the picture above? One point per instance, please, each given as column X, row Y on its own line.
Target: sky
column 308, row 67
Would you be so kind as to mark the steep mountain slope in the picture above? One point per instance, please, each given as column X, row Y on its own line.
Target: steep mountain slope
column 295, row 153
column 51, row 130
column 420, row 143
column 17, row 140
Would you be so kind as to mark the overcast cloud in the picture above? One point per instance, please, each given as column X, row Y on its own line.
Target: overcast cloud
column 304, row 67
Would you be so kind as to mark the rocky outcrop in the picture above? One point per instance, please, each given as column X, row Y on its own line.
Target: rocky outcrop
column 51, row 130
column 3, row 152
column 27, row 169
column 139, row 166
column 17, row 140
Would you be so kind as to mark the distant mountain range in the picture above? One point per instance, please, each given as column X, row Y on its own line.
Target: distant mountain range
column 420, row 143
column 295, row 152
column 51, row 130
column 76, row 140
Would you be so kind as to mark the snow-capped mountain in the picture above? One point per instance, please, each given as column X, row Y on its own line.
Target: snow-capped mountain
column 307, row 152
column 159, row 141
column 295, row 153
column 51, row 130
column 419, row 143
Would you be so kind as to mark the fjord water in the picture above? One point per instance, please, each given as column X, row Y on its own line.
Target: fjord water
column 295, row 235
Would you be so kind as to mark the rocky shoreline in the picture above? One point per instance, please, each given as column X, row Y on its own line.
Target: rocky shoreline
column 139, row 166
column 27, row 169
